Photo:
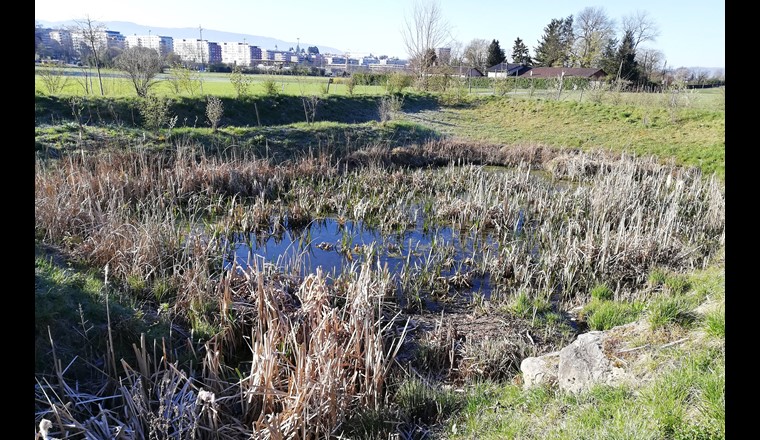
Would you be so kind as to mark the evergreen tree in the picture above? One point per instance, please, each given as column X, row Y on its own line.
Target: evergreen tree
column 620, row 59
column 554, row 48
column 567, row 40
column 495, row 54
column 520, row 53
column 608, row 61
column 626, row 56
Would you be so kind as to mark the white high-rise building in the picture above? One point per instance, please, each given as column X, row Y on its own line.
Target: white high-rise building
column 236, row 54
column 162, row 45
column 103, row 40
column 192, row 50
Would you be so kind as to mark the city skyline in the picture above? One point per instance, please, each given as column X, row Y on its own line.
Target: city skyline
column 692, row 34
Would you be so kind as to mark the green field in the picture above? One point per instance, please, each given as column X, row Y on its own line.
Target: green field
column 217, row 84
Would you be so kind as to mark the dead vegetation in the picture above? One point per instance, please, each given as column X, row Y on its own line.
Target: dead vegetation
column 268, row 352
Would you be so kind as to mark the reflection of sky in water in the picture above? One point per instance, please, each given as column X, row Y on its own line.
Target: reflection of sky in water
column 319, row 245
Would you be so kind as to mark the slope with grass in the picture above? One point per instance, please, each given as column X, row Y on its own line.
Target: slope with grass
column 690, row 136
column 680, row 394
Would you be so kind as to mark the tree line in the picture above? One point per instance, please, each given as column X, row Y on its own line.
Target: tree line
column 588, row 39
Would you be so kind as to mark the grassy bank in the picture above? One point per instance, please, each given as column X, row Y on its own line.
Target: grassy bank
column 690, row 136
column 684, row 133
column 685, row 399
column 191, row 111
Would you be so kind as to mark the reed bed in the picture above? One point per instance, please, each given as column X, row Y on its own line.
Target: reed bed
column 309, row 363
column 277, row 352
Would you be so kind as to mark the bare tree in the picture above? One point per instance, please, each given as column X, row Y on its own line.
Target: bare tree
column 426, row 30
column 53, row 78
column 650, row 62
column 643, row 27
column 476, row 53
column 593, row 30
column 456, row 53
column 142, row 64
column 683, row 74
column 701, row 75
column 92, row 33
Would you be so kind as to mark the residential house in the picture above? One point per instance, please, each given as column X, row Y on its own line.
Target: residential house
column 470, row 72
column 554, row 72
column 503, row 70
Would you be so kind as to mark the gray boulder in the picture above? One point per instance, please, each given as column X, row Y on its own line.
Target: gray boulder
column 540, row 370
column 576, row 367
column 584, row 363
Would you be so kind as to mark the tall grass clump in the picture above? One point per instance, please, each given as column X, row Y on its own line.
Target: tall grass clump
column 604, row 315
column 715, row 322
column 667, row 310
column 601, row 292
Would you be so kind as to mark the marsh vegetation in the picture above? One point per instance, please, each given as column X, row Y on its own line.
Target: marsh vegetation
column 351, row 277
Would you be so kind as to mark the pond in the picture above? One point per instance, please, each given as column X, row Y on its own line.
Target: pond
column 436, row 265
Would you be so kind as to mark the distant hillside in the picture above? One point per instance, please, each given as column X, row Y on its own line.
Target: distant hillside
column 128, row 28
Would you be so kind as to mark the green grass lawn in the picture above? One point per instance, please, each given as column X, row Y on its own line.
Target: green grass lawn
column 689, row 134
column 211, row 83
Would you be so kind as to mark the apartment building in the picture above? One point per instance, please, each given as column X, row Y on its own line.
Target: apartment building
column 240, row 54
column 256, row 53
column 195, row 50
column 63, row 37
column 443, row 54
column 161, row 44
column 214, row 53
column 236, row 54
column 103, row 40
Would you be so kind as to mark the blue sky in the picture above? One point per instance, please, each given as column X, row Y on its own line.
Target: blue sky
column 692, row 32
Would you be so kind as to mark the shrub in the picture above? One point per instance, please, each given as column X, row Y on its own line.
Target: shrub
column 350, row 85
column 53, row 79
column 214, row 111
column 270, row 87
column 240, row 81
column 503, row 86
column 155, row 112
column 397, row 82
column 601, row 292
